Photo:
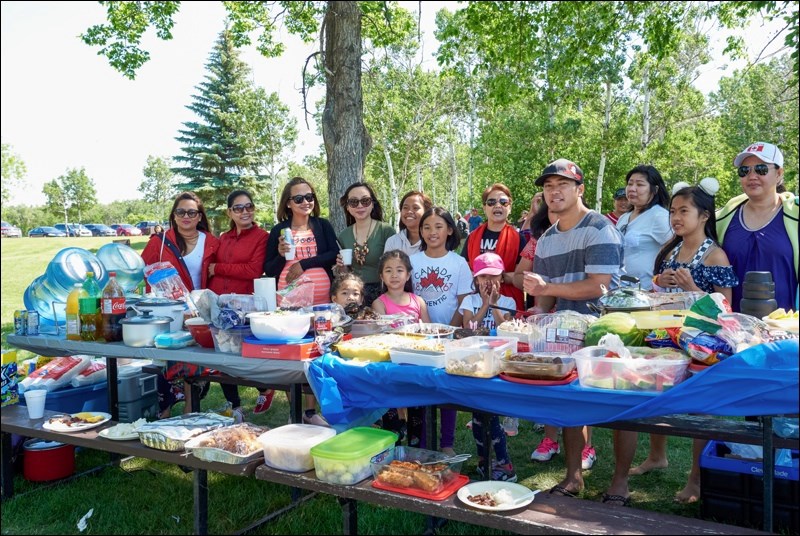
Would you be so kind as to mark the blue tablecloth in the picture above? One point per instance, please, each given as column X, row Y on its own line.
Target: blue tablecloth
column 762, row 380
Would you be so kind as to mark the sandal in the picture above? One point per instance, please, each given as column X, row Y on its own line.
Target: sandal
column 623, row 501
column 562, row 491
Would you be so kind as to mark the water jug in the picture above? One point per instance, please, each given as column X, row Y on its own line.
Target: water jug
column 125, row 261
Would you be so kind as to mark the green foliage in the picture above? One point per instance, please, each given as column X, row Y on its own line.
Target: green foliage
column 158, row 187
column 13, row 172
column 71, row 195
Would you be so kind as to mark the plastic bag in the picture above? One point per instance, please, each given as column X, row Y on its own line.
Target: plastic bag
column 748, row 452
column 94, row 373
column 613, row 343
column 299, row 293
column 165, row 282
column 786, row 427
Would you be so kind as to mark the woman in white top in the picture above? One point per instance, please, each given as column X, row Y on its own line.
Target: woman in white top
column 412, row 207
column 645, row 228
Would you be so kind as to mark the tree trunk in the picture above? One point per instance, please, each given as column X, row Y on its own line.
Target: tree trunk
column 392, row 186
column 453, row 180
column 346, row 139
column 646, row 113
column 598, row 206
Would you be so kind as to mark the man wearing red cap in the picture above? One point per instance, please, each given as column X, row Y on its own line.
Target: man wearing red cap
column 575, row 258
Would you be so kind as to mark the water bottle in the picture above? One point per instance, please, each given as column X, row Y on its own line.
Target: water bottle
column 758, row 294
column 125, row 261
column 113, row 309
column 90, row 308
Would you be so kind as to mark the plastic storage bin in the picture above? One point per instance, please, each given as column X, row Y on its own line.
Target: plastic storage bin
column 289, row 447
column 732, row 490
column 478, row 356
column 346, row 458
column 76, row 399
column 229, row 341
column 649, row 369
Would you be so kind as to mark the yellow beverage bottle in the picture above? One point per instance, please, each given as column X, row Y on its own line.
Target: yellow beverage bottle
column 73, row 312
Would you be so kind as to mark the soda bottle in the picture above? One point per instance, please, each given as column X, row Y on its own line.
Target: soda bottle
column 72, row 312
column 93, row 295
column 113, row 309
column 88, row 312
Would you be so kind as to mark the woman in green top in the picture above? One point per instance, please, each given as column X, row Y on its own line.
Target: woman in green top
column 366, row 235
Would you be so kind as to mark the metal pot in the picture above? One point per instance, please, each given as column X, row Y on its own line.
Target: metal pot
column 623, row 300
column 163, row 307
column 47, row 460
column 140, row 331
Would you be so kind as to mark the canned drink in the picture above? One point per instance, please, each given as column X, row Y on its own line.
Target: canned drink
column 20, row 322
column 33, row 323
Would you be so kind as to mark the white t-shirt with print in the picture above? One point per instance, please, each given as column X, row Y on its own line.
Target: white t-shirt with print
column 473, row 302
column 439, row 282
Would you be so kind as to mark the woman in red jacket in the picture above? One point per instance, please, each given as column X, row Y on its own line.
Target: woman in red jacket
column 190, row 247
column 240, row 260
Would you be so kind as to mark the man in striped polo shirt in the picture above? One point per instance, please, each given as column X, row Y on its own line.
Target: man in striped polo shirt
column 575, row 258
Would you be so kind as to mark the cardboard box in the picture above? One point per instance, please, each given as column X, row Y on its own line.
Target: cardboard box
column 253, row 347
column 10, row 391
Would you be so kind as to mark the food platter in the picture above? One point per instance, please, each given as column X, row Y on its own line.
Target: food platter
column 517, row 491
column 60, row 423
column 126, row 437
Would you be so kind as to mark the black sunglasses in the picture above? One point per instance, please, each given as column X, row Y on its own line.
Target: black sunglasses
column 353, row 202
column 300, row 198
column 504, row 201
column 238, row 209
column 760, row 169
column 181, row 212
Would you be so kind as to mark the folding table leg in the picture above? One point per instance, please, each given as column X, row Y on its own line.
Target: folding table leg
column 8, row 467
column 349, row 515
column 200, row 501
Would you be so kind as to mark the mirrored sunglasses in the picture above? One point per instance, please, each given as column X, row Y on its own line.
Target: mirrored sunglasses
column 353, row 202
column 238, row 209
column 309, row 198
column 181, row 212
column 760, row 169
column 504, row 201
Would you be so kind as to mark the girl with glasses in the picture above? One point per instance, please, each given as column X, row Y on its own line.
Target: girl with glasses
column 498, row 236
column 366, row 235
column 315, row 252
column 190, row 247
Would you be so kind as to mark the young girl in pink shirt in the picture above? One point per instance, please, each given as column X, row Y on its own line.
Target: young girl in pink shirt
column 394, row 269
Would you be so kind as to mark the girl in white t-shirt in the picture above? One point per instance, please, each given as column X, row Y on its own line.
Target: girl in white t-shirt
column 441, row 278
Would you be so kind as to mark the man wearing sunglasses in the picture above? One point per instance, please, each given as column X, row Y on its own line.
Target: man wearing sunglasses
column 758, row 229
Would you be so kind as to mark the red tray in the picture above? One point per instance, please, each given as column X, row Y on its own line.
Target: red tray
column 569, row 378
column 440, row 495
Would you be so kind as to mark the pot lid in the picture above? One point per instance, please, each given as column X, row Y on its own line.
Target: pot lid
column 158, row 302
column 147, row 319
column 625, row 297
column 41, row 444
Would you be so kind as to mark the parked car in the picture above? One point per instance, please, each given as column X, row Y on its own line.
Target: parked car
column 100, row 229
column 146, row 227
column 11, row 231
column 46, row 231
column 73, row 229
column 126, row 229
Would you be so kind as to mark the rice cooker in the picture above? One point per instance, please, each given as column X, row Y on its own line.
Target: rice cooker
column 45, row 460
column 173, row 309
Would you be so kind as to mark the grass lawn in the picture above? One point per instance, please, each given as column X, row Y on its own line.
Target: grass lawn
column 144, row 497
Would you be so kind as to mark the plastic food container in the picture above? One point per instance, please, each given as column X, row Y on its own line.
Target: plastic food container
column 538, row 365
column 173, row 339
column 372, row 347
column 478, row 356
column 288, row 447
column 346, row 458
column 558, row 332
column 401, row 471
column 429, row 330
column 229, row 341
column 650, row 369
column 173, row 433
column 235, row 444
column 425, row 352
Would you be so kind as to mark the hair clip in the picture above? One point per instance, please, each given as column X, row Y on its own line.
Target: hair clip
column 709, row 185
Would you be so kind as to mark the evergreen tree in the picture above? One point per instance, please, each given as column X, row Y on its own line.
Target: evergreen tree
column 215, row 148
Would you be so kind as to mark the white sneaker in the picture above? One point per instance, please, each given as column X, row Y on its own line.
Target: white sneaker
column 316, row 419
column 511, row 426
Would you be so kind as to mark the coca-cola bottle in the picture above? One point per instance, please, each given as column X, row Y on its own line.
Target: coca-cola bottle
column 112, row 305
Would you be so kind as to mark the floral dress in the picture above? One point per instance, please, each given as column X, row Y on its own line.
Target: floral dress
column 705, row 277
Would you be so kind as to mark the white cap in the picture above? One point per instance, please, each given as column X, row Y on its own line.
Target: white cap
column 765, row 151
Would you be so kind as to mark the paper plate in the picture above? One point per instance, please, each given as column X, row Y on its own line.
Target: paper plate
column 492, row 486
column 56, row 426
column 104, row 433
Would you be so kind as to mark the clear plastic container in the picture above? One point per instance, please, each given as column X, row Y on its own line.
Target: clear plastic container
column 649, row 369
column 538, row 365
column 430, row 478
column 425, row 352
column 346, row 458
column 229, row 341
column 478, row 356
column 288, row 447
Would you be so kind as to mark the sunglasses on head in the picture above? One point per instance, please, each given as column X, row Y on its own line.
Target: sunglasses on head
column 760, row 169
column 353, row 202
column 300, row 198
column 504, row 201
column 238, row 209
column 181, row 212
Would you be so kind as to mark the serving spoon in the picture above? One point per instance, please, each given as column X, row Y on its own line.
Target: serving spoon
column 524, row 498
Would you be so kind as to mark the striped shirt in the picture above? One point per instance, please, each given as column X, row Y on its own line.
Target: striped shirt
column 307, row 248
column 593, row 246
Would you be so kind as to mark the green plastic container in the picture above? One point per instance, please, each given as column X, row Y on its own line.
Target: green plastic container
column 346, row 458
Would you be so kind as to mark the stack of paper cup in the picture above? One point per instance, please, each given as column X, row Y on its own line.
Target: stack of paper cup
column 266, row 288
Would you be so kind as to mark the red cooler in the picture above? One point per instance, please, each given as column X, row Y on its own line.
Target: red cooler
column 47, row 460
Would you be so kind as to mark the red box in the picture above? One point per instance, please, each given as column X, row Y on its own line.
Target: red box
column 252, row 347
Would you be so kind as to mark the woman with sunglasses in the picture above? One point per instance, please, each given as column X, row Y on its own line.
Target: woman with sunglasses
column 366, row 235
column 498, row 236
column 645, row 227
column 190, row 247
column 758, row 229
column 315, row 253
